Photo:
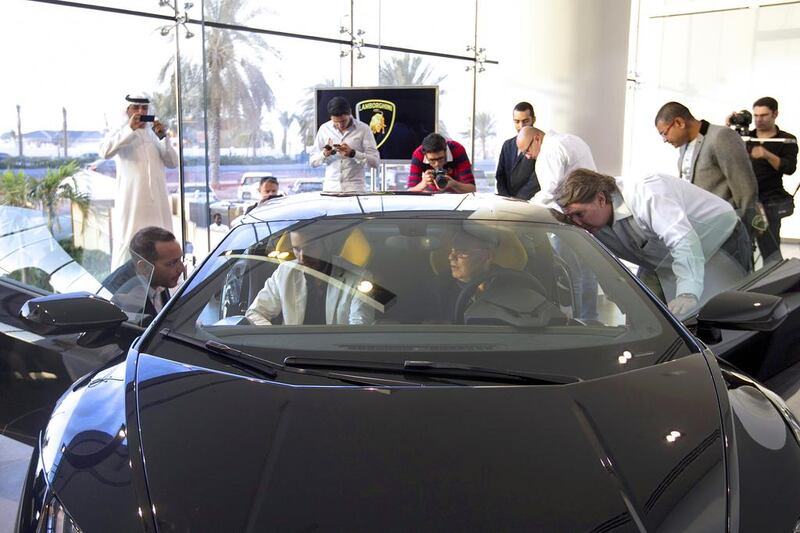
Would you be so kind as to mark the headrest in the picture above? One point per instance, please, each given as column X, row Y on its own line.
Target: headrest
column 510, row 253
column 355, row 250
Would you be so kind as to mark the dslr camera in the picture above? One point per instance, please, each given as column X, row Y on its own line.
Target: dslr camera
column 741, row 122
column 440, row 178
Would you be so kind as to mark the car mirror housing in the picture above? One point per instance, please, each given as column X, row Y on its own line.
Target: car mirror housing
column 75, row 312
column 739, row 310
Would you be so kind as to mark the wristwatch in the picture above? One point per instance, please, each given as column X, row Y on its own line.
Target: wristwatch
column 352, row 153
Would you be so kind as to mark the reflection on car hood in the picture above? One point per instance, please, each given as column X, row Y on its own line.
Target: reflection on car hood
column 225, row 452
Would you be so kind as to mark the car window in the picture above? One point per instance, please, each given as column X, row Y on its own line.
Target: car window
column 467, row 288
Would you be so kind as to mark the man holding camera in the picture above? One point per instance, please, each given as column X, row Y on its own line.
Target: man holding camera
column 771, row 160
column 439, row 165
column 142, row 153
column 344, row 145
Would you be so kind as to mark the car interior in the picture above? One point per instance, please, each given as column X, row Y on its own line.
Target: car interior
column 406, row 261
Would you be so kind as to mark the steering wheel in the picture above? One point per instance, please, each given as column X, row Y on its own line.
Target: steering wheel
column 525, row 279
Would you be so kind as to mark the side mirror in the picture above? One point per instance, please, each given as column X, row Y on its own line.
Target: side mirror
column 739, row 310
column 74, row 312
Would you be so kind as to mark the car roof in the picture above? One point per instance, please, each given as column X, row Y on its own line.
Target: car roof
column 319, row 205
column 257, row 175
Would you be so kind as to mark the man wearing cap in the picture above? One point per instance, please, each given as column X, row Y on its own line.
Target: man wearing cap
column 142, row 153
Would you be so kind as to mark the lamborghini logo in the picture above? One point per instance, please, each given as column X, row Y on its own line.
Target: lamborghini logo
column 379, row 114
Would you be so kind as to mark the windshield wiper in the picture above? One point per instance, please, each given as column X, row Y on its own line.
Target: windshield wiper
column 239, row 358
column 434, row 369
column 264, row 367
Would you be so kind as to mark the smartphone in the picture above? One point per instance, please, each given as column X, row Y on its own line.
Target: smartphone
column 147, row 118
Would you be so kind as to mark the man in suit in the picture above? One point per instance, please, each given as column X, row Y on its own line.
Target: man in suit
column 516, row 175
column 712, row 157
column 141, row 285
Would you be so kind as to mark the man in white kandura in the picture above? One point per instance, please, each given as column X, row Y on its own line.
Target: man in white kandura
column 141, row 153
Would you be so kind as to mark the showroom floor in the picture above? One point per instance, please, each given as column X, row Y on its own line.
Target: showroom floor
column 14, row 456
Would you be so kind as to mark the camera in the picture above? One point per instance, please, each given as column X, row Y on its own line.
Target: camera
column 440, row 178
column 741, row 122
column 147, row 118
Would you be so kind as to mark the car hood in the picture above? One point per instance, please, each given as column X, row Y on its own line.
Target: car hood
column 641, row 450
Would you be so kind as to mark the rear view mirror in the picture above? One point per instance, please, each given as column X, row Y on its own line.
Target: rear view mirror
column 75, row 312
column 739, row 310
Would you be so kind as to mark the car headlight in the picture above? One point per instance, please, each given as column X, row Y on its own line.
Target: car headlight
column 58, row 520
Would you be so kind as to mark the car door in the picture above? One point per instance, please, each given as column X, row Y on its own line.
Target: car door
column 35, row 370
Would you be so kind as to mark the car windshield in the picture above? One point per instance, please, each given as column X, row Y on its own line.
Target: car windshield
column 250, row 180
column 459, row 289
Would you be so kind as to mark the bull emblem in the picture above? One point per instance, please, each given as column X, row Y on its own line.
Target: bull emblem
column 379, row 115
column 377, row 124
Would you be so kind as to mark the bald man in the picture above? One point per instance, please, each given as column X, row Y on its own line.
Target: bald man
column 556, row 155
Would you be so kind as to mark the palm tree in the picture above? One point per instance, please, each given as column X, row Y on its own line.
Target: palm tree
column 58, row 185
column 407, row 70
column 484, row 128
column 15, row 189
column 235, row 85
column 306, row 119
column 286, row 121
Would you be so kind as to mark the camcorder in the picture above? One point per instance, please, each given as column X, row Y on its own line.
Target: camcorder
column 741, row 122
column 147, row 118
column 440, row 178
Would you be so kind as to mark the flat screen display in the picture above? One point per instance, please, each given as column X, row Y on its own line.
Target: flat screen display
column 399, row 117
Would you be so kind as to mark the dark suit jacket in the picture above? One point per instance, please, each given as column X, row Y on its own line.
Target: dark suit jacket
column 505, row 166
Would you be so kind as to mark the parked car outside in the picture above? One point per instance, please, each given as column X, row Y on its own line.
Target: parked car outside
column 447, row 385
column 104, row 166
column 248, row 185
column 306, row 185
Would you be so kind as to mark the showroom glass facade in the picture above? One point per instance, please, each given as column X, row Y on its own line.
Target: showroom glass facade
column 247, row 72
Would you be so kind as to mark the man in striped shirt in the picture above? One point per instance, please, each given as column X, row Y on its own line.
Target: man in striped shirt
column 437, row 154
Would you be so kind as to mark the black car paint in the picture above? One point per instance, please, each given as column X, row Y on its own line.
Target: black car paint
column 484, row 459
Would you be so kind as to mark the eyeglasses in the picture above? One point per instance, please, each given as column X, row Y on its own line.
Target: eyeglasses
column 460, row 253
column 666, row 131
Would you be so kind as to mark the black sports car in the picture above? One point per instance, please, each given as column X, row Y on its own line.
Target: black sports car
column 419, row 363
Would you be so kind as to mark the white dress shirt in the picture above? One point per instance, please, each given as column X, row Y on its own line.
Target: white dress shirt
column 345, row 174
column 663, row 221
column 561, row 153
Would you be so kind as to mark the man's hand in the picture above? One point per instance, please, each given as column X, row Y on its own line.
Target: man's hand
column 728, row 119
column 135, row 123
column 682, row 304
column 327, row 150
column 345, row 150
column 759, row 152
column 159, row 129
column 428, row 178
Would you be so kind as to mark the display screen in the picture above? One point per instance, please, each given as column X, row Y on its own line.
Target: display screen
column 399, row 117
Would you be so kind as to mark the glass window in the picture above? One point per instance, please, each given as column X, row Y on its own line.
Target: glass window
column 60, row 196
column 321, row 18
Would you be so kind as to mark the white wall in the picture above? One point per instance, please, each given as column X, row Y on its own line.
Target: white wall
column 568, row 58
column 714, row 56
